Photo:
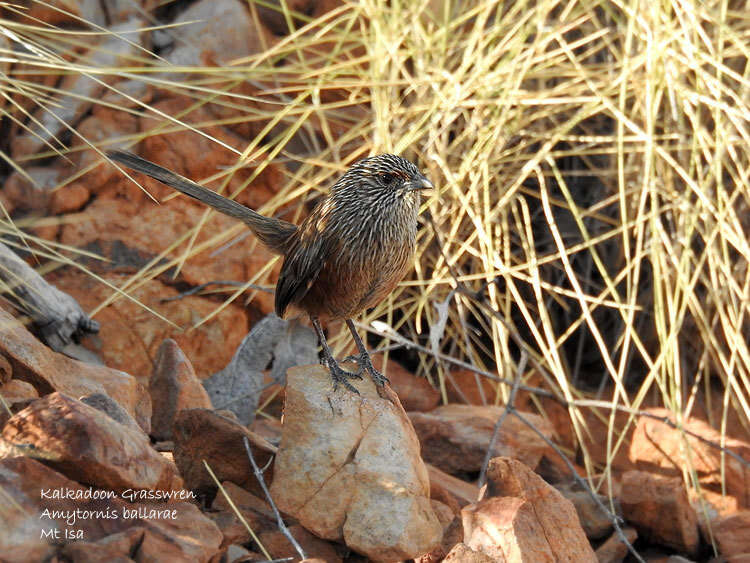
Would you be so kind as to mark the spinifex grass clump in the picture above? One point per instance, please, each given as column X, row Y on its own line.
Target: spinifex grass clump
column 592, row 165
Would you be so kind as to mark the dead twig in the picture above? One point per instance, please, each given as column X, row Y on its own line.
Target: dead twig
column 279, row 520
column 509, row 407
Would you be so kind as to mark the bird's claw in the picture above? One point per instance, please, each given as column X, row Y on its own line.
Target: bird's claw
column 364, row 364
column 341, row 376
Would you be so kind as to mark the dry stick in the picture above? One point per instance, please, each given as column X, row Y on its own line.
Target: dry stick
column 279, row 521
column 509, row 407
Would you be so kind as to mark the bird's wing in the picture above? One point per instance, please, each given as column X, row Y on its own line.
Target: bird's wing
column 302, row 264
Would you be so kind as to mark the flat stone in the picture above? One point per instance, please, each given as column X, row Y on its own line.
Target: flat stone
column 35, row 521
column 595, row 521
column 455, row 438
column 88, row 445
column 614, row 549
column 203, row 435
column 658, row 447
column 50, row 371
column 658, row 507
column 732, row 535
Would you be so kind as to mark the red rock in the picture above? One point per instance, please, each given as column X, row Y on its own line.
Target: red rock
column 105, row 404
column 61, row 12
column 279, row 546
column 658, row 507
column 188, row 536
column 468, row 387
column 657, row 446
column 28, row 534
column 614, row 550
column 710, row 506
column 238, row 554
column 271, row 403
column 348, row 468
column 462, row 553
column 130, row 335
column 461, row 491
column 6, row 370
column 445, row 498
column 173, row 387
column 267, row 428
column 200, row 434
column 49, row 371
column 595, row 438
column 68, row 199
column 732, row 535
column 176, row 150
column 453, row 534
column 253, row 185
column 16, row 395
column 256, row 512
column 115, row 548
column 596, row 523
column 522, row 518
column 102, row 127
column 444, row 513
column 415, row 393
column 20, row 193
column 233, row 531
column 16, row 390
column 455, row 438
column 554, row 470
column 110, row 230
column 89, row 446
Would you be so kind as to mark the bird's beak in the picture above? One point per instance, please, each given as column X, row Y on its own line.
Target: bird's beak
column 421, row 183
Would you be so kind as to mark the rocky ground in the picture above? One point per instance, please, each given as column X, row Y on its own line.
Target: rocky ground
column 144, row 458
column 99, row 467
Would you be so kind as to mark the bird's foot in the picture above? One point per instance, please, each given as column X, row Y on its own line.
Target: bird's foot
column 365, row 365
column 340, row 376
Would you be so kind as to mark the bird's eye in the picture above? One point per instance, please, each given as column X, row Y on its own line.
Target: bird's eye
column 386, row 178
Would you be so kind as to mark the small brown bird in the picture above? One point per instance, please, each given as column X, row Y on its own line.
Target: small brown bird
column 345, row 257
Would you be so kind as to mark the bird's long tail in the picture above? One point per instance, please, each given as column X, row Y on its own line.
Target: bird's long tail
column 272, row 232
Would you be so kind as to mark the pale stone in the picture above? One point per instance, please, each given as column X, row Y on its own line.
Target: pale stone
column 348, row 468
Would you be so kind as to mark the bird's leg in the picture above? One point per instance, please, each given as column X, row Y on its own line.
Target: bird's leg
column 338, row 375
column 363, row 359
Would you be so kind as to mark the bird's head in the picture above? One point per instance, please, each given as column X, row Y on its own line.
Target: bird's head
column 384, row 179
